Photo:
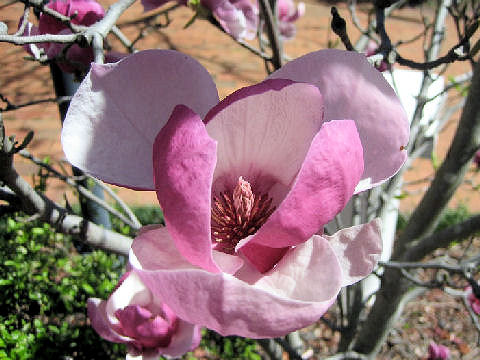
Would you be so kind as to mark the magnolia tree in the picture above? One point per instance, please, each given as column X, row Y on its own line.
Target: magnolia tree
column 274, row 197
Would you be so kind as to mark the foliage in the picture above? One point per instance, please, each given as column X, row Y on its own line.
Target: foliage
column 229, row 347
column 149, row 215
column 44, row 285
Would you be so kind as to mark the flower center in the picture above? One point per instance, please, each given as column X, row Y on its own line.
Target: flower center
column 238, row 214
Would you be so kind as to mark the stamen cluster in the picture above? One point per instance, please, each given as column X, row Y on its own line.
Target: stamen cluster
column 238, row 214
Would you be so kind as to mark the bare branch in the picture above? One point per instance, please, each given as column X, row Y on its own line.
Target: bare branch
column 10, row 106
column 443, row 238
column 119, row 201
column 339, row 27
column 97, row 46
column 135, row 225
column 123, row 39
column 104, row 26
column 34, row 204
column 272, row 34
column 22, row 40
column 24, row 21
column 66, row 20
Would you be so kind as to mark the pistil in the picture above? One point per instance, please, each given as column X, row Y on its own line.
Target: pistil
column 238, row 214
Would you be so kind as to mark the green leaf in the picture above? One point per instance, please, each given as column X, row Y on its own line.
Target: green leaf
column 88, row 289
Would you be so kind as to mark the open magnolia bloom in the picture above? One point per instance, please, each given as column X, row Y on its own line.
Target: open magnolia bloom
column 82, row 12
column 246, row 184
column 134, row 317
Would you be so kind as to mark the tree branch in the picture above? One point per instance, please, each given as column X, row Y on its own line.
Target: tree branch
column 135, row 225
column 33, row 203
column 443, row 238
column 272, row 33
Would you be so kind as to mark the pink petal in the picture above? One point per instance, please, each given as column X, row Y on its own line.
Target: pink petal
column 325, row 183
column 184, row 158
column 227, row 263
column 186, row 338
column 239, row 18
column 140, row 324
column 472, row 299
column 119, row 109
column 281, row 301
column 78, row 58
column 98, row 318
column 353, row 89
column 83, row 12
column 153, row 4
column 35, row 48
column 262, row 257
column 312, row 262
column 157, row 250
column 358, row 250
column 153, row 249
column 263, row 134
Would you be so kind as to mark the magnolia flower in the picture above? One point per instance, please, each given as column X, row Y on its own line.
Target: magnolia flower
column 246, row 184
column 238, row 18
column 82, row 12
column 136, row 318
column 288, row 13
column 438, row 352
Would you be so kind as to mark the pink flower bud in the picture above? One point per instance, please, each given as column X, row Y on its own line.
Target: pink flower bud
column 82, row 12
column 288, row 13
column 133, row 316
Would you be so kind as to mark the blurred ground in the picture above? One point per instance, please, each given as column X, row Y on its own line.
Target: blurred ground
column 231, row 66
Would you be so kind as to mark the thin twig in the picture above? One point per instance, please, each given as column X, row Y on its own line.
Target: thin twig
column 10, row 106
column 34, row 39
column 118, row 200
column 46, row 210
column 123, row 39
column 82, row 190
column 272, row 34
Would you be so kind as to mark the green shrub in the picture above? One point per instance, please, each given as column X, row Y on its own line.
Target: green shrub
column 44, row 285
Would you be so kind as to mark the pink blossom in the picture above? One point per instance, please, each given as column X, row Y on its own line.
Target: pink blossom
column 438, row 352
column 288, row 13
column 371, row 49
column 134, row 317
column 82, row 12
column 246, row 184
column 238, row 18
column 473, row 300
